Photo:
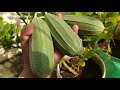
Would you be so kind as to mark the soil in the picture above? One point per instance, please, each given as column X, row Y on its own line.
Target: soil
column 91, row 70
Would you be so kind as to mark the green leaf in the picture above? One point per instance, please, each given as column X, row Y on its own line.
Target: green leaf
column 1, row 22
column 82, row 63
column 77, row 13
column 117, row 18
column 25, row 13
column 6, row 28
column 87, row 38
column 107, row 36
column 109, row 49
column 102, row 16
column 1, row 36
column 108, row 25
column 8, row 36
column 112, row 21
column 89, row 54
column 32, row 14
column 17, row 30
column 17, row 39
column 83, row 13
column 112, row 14
column 91, row 39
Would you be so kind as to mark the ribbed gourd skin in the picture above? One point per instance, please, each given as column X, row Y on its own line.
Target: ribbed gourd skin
column 88, row 25
column 67, row 41
column 41, row 52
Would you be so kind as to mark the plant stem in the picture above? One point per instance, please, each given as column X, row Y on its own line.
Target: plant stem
column 21, row 18
column 113, row 42
column 70, row 69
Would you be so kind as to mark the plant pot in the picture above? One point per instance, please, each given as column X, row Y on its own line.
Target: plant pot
column 86, row 70
column 112, row 64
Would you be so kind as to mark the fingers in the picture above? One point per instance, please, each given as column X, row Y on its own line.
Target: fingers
column 59, row 15
column 28, row 30
column 58, row 56
column 26, row 33
column 75, row 28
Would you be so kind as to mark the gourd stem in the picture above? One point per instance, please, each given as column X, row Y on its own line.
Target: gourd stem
column 70, row 69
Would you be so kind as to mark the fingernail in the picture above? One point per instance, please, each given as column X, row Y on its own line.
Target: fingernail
column 59, row 15
column 75, row 28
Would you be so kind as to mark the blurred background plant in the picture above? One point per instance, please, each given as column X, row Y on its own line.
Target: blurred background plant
column 10, row 33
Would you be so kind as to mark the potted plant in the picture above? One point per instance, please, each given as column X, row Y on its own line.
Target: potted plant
column 94, row 68
column 108, row 42
column 102, row 43
column 102, row 39
column 72, row 67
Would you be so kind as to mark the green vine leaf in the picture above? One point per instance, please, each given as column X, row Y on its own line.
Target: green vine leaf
column 89, row 54
column 6, row 28
column 102, row 15
column 82, row 63
column 1, row 22
column 112, row 14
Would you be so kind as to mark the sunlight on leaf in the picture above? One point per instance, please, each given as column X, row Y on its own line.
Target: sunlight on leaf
column 1, row 22
column 83, row 13
column 82, row 63
column 6, row 28
column 109, row 49
column 89, row 54
column 117, row 18
column 18, row 29
column 112, row 14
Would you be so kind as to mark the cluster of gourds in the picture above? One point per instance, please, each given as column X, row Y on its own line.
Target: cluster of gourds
column 58, row 30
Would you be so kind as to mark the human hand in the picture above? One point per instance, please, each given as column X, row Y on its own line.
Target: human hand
column 25, row 36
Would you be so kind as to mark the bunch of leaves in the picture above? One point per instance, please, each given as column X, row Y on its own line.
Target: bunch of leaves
column 110, row 19
column 9, row 35
column 88, row 52
column 79, row 61
column 105, row 36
